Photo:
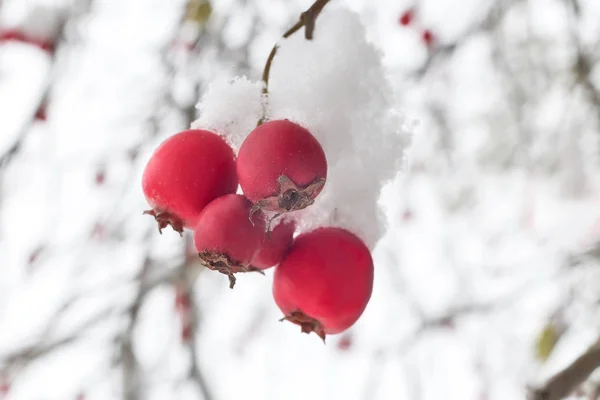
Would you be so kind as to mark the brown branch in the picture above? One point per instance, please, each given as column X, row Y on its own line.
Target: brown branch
column 307, row 20
column 267, row 69
column 30, row 353
column 187, row 278
column 440, row 52
column 131, row 371
column 77, row 11
column 585, row 63
column 131, row 383
column 595, row 393
column 566, row 381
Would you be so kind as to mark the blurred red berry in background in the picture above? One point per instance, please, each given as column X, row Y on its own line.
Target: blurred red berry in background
column 186, row 332
column 100, row 177
column 427, row 37
column 16, row 36
column 40, row 114
column 4, row 388
column 345, row 343
column 407, row 17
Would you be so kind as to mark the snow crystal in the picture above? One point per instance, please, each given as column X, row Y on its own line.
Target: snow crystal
column 231, row 109
column 335, row 86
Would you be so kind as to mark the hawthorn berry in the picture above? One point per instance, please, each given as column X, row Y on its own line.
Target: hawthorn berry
column 186, row 172
column 4, row 387
column 325, row 282
column 100, row 176
column 427, row 37
column 345, row 343
column 41, row 113
column 187, row 332
column 183, row 302
column 229, row 242
column 275, row 245
column 46, row 45
column 407, row 17
column 281, row 167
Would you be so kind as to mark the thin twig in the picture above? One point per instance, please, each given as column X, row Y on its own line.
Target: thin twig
column 307, row 20
column 38, row 350
column 195, row 374
column 566, row 381
column 131, row 371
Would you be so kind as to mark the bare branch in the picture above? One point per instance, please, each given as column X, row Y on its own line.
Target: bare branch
column 195, row 374
column 307, row 20
column 76, row 12
column 131, row 371
column 30, row 353
column 566, row 381
column 489, row 23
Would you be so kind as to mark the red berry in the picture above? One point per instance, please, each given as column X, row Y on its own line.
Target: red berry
column 345, row 343
column 187, row 332
column 228, row 242
column 183, row 303
column 4, row 388
column 427, row 37
column 41, row 114
column 407, row 17
column 100, row 176
column 275, row 245
column 185, row 173
column 17, row 36
column 281, row 167
column 325, row 282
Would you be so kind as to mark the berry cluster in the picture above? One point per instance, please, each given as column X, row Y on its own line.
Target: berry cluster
column 323, row 278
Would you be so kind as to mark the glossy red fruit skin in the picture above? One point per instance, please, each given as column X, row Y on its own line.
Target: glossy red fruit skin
column 275, row 246
column 327, row 276
column 224, row 229
column 186, row 172
column 279, row 148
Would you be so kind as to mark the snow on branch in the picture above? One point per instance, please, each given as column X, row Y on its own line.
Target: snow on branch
column 566, row 381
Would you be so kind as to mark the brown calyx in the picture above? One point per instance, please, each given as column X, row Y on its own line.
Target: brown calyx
column 164, row 219
column 224, row 264
column 306, row 323
column 291, row 197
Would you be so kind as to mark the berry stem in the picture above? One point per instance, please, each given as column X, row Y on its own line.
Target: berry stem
column 290, row 197
column 307, row 20
column 307, row 324
column 224, row 264
column 165, row 219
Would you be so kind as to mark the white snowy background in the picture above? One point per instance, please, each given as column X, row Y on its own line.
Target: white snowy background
column 470, row 166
